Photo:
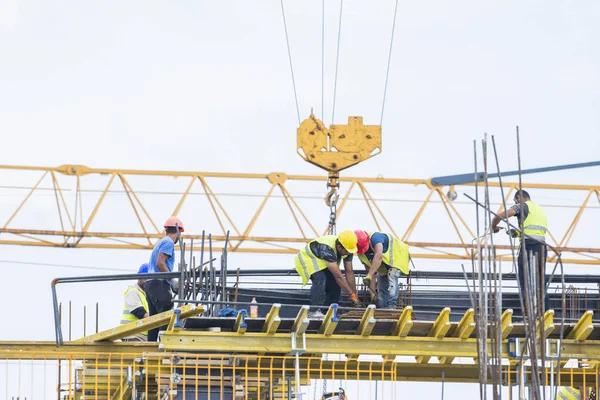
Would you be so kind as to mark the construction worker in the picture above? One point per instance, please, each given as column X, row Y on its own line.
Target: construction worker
column 572, row 393
column 136, row 305
column 319, row 261
column 158, row 291
column 535, row 224
column 386, row 255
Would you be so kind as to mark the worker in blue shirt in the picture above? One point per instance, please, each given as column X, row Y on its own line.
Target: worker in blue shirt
column 158, row 291
column 386, row 255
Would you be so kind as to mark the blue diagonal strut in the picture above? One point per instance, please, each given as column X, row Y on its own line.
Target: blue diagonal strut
column 470, row 178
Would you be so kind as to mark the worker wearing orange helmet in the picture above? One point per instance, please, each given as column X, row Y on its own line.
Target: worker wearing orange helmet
column 386, row 255
column 158, row 291
column 320, row 261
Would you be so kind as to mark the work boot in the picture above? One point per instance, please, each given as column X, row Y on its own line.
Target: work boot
column 317, row 314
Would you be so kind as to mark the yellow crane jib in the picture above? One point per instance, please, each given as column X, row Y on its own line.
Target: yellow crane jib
column 337, row 148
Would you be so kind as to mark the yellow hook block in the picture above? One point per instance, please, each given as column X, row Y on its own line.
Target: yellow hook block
column 340, row 146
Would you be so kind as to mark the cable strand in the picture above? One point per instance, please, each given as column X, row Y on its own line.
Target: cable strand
column 337, row 58
column 387, row 74
column 287, row 41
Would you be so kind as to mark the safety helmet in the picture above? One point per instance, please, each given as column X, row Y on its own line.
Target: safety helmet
column 171, row 221
column 143, row 268
column 348, row 241
column 362, row 241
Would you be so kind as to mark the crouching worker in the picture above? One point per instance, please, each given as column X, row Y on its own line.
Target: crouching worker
column 386, row 255
column 136, row 306
column 320, row 261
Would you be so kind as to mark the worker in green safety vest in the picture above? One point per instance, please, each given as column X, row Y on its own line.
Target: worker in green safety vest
column 572, row 393
column 387, row 256
column 535, row 224
column 135, row 305
column 320, row 261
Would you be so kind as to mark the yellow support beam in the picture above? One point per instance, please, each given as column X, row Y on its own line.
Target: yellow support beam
column 330, row 321
column 155, row 321
column 583, row 328
column 240, row 325
column 301, row 323
column 40, row 350
column 367, row 322
column 463, row 330
column 548, row 324
column 507, row 325
column 404, row 323
column 272, row 321
column 438, row 330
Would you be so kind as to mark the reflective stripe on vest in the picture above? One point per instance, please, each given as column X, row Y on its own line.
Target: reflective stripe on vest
column 128, row 317
column 396, row 255
column 535, row 225
column 569, row 393
column 307, row 263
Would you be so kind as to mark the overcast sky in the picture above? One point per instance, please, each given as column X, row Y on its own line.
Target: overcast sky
column 206, row 86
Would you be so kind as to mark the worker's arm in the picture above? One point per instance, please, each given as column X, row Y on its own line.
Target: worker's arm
column 161, row 262
column 350, row 274
column 339, row 278
column 135, row 305
column 377, row 257
column 502, row 215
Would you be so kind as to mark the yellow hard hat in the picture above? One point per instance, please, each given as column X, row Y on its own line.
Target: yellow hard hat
column 349, row 240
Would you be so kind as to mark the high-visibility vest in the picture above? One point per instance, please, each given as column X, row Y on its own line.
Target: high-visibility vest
column 128, row 317
column 396, row 255
column 307, row 263
column 535, row 224
column 570, row 393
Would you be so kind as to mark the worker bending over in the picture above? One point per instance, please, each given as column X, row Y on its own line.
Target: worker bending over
column 136, row 306
column 158, row 291
column 534, row 227
column 320, row 261
column 386, row 255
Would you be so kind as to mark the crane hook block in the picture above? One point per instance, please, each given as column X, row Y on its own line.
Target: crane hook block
column 340, row 146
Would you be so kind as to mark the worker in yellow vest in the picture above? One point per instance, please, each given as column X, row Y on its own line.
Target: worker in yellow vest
column 385, row 255
column 534, row 227
column 320, row 261
column 572, row 393
column 136, row 305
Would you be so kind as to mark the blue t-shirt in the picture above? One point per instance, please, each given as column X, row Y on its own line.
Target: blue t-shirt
column 377, row 238
column 165, row 246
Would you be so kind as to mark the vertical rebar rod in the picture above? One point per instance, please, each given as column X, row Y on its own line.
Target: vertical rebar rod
column 212, row 274
column 70, row 320
column 97, row 311
column 201, row 264
column 84, row 320
column 194, row 275
column 479, row 276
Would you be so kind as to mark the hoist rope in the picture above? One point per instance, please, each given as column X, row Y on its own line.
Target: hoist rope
column 323, row 62
column 337, row 58
column 287, row 40
column 387, row 74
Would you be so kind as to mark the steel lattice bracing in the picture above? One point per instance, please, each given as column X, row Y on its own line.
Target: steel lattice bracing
column 76, row 206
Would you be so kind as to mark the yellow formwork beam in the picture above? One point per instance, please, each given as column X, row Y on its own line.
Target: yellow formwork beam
column 583, row 328
column 240, row 325
column 367, row 322
column 272, row 321
column 507, row 325
column 463, row 330
column 404, row 323
column 438, row 330
column 301, row 322
column 154, row 321
column 548, row 324
column 330, row 321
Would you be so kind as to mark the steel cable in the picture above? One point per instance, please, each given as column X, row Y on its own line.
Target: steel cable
column 287, row 41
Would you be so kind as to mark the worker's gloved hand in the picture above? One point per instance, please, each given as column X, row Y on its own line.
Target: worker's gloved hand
column 357, row 304
column 367, row 280
column 374, row 299
column 175, row 285
column 513, row 233
column 496, row 229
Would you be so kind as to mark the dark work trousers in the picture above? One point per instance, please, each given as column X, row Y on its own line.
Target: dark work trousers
column 158, row 294
column 324, row 290
column 539, row 252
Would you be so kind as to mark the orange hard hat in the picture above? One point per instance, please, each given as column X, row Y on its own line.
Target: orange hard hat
column 362, row 241
column 172, row 222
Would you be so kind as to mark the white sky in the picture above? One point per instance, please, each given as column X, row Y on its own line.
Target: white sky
column 206, row 86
